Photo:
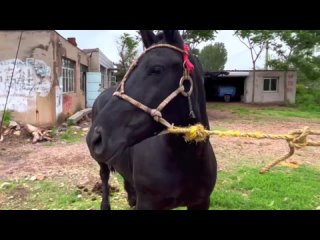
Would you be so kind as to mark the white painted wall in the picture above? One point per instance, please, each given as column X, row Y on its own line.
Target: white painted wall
column 30, row 77
column 278, row 96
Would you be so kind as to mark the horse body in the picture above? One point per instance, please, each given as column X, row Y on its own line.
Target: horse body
column 172, row 173
column 160, row 171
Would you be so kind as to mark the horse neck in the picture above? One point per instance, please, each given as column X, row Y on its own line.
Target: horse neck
column 179, row 146
column 199, row 97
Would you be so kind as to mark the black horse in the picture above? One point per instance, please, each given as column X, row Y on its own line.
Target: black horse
column 160, row 170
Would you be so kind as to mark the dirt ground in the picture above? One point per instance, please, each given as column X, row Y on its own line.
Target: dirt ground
column 19, row 158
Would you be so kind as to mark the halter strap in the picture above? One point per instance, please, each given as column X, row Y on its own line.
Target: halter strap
column 156, row 113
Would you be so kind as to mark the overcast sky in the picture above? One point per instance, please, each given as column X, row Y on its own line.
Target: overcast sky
column 238, row 55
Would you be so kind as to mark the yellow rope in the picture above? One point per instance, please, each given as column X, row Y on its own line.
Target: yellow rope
column 295, row 139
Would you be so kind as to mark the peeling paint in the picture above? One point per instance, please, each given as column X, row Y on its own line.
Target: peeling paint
column 67, row 104
column 59, row 104
column 30, row 77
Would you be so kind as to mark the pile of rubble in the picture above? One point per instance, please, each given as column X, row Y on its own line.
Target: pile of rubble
column 80, row 121
column 17, row 129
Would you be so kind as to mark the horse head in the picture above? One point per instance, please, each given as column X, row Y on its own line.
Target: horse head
column 140, row 107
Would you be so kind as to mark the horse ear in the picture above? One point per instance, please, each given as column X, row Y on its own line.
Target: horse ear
column 173, row 37
column 148, row 37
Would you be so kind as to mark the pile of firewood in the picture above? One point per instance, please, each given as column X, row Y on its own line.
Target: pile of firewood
column 37, row 133
column 15, row 129
column 12, row 128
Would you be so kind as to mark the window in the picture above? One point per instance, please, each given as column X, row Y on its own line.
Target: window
column 68, row 75
column 270, row 84
column 83, row 71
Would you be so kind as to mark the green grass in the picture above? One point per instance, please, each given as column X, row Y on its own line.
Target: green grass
column 281, row 188
column 45, row 195
column 72, row 135
column 6, row 118
column 49, row 195
column 244, row 188
column 260, row 111
column 289, row 112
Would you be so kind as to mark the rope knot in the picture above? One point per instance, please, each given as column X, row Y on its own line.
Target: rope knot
column 195, row 133
column 156, row 114
column 301, row 137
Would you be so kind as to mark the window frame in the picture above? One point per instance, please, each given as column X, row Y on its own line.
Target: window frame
column 68, row 75
column 270, row 84
column 83, row 70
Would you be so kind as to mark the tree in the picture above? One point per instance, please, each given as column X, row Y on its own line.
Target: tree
column 194, row 37
column 293, row 49
column 296, row 49
column 127, row 49
column 255, row 41
column 213, row 57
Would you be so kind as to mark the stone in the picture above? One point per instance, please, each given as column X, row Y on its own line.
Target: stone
column 17, row 133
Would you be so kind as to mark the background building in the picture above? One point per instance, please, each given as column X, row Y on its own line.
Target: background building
column 52, row 79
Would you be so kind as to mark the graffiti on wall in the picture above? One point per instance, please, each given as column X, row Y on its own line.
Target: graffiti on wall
column 59, row 98
column 30, row 77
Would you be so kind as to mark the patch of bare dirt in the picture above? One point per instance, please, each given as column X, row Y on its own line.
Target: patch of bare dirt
column 232, row 151
column 20, row 193
column 71, row 161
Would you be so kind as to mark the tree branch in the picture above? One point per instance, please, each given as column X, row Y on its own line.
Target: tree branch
column 242, row 41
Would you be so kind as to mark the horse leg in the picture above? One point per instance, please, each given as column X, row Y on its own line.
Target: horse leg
column 104, row 175
column 203, row 205
column 131, row 193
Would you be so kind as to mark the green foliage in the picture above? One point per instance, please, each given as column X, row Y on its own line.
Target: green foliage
column 6, row 118
column 72, row 135
column 295, row 49
column 127, row 49
column 255, row 36
column 307, row 98
column 194, row 37
column 255, row 41
column 213, row 57
column 281, row 188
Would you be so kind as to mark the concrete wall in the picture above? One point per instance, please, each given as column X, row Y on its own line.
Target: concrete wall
column 36, row 91
column 73, row 101
column 98, row 59
column 107, row 63
column 291, row 86
column 94, row 65
column 32, row 95
column 278, row 96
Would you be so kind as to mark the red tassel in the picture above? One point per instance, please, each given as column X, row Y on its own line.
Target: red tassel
column 188, row 64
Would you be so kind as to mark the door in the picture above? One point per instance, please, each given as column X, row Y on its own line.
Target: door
column 93, row 87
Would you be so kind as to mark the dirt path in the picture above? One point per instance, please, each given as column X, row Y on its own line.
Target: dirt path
column 69, row 161
column 247, row 151
column 72, row 162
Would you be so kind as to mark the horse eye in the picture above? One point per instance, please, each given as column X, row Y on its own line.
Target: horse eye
column 156, row 70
